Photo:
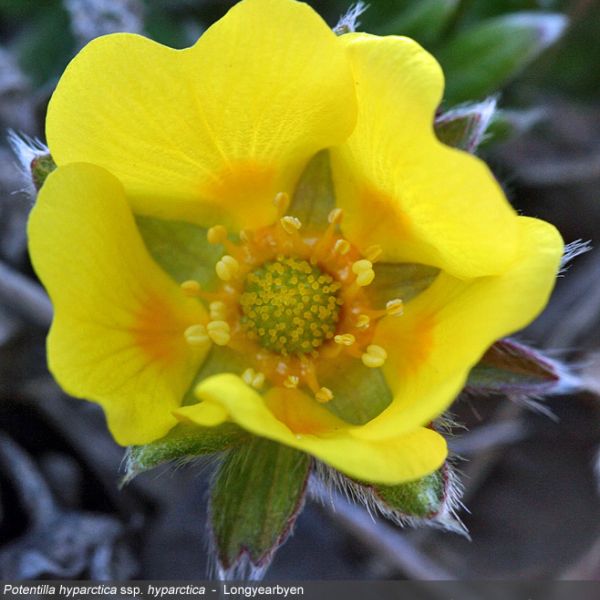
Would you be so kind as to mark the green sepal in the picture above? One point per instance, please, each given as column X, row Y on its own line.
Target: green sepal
column 314, row 197
column 399, row 280
column 181, row 249
column 480, row 60
column 258, row 492
column 182, row 443
column 41, row 166
column 359, row 393
column 423, row 498
column 509, row 367
column 423, row 21
column 465, row 127
column 432, row 499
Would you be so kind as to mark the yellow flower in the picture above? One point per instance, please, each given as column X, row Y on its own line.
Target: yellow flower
column 341, row 325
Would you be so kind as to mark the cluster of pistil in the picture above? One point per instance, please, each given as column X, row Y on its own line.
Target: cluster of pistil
column 288, row 300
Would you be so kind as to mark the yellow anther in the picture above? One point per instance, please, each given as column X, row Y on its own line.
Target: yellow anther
column 361, row 266
column 290, row 224
column 365, row 277
column 346, row 339
column 363, row 321
column 253, row 378
column 216, row 234
column 217, row 310
column 395, row 307
column 190, row 288
column 373, row 253
column 291, row 382
column 227, row 268
column 281, row 202
column 258, row 381
column 196, row 335
column 324, row 395
column 374, row 357
column 219, row 332
column 342, row 247
column 335, row 216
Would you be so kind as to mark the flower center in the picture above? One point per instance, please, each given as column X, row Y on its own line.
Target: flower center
column 291, row 301
column 290, row 306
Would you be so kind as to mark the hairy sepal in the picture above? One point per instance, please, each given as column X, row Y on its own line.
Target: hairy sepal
column 182, row 444
column 465, row 127
column 257, row 493
column 432, row 500
column 512, row 368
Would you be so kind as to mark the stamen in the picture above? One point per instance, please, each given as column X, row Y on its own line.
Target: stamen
column 191, row 288
column 253, row 378
column 363, row 321
column 373, row 253
column 246, row 236
column 341, row 247
column 335, row 216
column 227, row 268
column 218, row 310
column 374, row 357
column 219, row 332
column 361, row 265
column 363, row 269
column 309, row 377
column 291, row 382
column 196, row 335
column 346, row 339
column 281, row 203
column 216, row 234
column 365, row 278
column 290, row 224
column 395, row 307
column 324, row 395
column 324, row 246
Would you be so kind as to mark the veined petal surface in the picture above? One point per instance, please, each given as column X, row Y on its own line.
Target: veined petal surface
column 401, row 188
column 117, row 334
column 292, row 418
column 445, row 330
column 214, row 131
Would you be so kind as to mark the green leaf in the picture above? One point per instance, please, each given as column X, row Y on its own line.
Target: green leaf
column 423, row 498
column 41, row 53
column 163, row 27
column 423, row 20
column 257, row 494
column 181, row 249
column 483, row 58
column 509, row 367
column 482, row 9
column 314, row 197
column 465, row 127
column 181, row 443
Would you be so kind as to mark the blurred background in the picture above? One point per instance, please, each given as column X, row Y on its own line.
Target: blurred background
column 533, row 508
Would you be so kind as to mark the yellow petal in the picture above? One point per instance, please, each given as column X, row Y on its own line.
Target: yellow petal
column 213, row 131
column 422, row 201
column 291, row 418
column 117, row 335
column 444, row 331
